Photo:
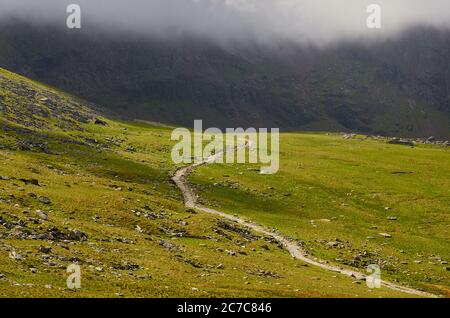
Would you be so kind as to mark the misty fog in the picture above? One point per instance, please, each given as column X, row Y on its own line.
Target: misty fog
column 264, row 21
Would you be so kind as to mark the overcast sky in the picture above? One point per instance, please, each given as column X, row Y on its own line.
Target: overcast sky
column 317, row 21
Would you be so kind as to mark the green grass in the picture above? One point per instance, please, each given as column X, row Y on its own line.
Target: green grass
column 329, row 188
column 102, row 180
column 90, row 194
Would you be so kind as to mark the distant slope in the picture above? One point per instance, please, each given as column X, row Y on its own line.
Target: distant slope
column 397, row 87
column 33, row 105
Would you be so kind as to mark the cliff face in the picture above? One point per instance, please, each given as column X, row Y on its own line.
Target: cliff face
column 397, row 87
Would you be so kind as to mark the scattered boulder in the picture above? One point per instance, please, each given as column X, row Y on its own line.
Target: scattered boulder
column 385, row 235
column 43, row 249
column 91, row 140
column 399, row 141
column 192, row 263
column 231, row 253
column 124, row 240
column 100, row 122
column 265, row 273
column 44, row 200
column 168, row 245
column 127, row 266
column 238, row 230
column 30, row 181
column 15, row 256
column 42, row 215
column 139, row 229
column 334, row 244
column 76, row 235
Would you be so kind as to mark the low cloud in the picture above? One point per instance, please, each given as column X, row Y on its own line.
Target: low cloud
column 264, row 21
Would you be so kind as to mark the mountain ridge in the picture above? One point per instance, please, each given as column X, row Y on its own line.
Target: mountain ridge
column 396, row 87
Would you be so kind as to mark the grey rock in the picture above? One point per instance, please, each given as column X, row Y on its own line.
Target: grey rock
column 44, row 249
column 42, row 215
column 30, row 181
column 127, row 266
column 15, row 256
column 168, row 245
column 404, row 142
column 77, row 235
column 44, row 200
column 100, row 122
column 333, row 244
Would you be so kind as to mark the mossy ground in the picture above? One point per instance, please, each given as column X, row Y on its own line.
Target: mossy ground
column 112, row 183
column 100, row 193
column 333, row 189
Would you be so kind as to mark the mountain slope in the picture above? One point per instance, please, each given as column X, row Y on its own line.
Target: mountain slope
column 78, row 188
column 396, row 87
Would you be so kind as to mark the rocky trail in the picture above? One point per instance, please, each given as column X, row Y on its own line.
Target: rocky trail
column 180, row 178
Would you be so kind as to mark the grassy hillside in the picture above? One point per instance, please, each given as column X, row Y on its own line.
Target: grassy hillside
column 340, row 196
column 78, row 188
